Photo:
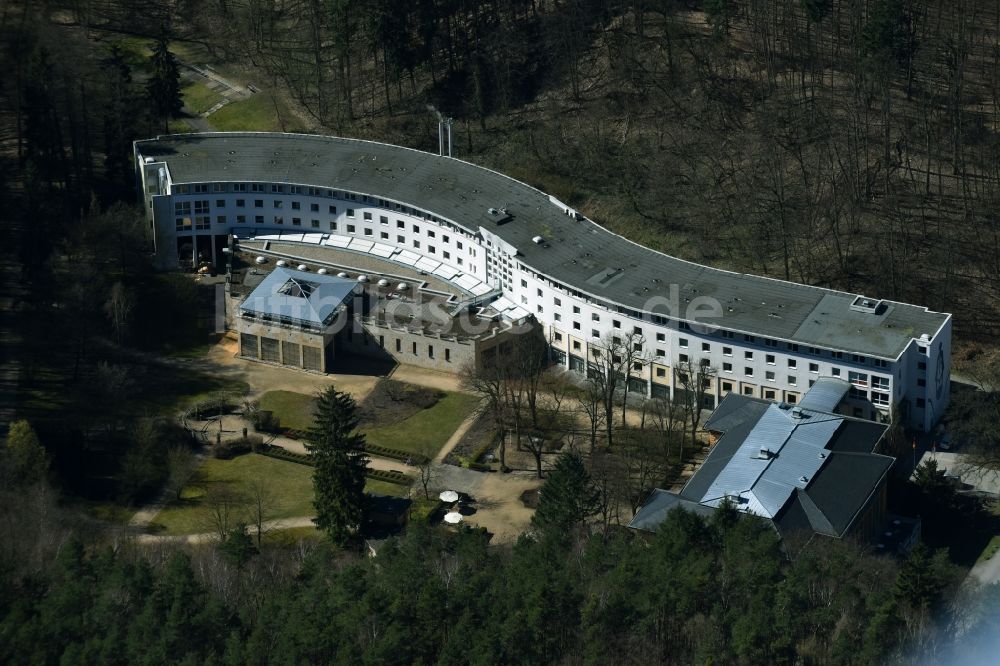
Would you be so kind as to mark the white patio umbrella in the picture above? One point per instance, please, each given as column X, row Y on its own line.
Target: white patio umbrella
column 453, row 518
column 448, row 496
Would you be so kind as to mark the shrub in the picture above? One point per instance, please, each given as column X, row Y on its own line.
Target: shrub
column 232, row 448
column 256, row 443
column 266, row 421
column 425, row 510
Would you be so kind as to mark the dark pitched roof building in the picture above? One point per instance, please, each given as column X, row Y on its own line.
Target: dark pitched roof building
column 804, row 470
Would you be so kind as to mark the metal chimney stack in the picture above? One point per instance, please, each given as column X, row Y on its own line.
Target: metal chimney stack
column 444, row 127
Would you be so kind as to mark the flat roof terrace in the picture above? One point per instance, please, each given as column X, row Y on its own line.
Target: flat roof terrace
column 355, row 262
column 574, row 252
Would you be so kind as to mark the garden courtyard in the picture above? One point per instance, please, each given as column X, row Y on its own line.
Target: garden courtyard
column 414, row 413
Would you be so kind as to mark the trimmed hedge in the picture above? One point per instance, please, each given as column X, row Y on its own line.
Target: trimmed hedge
column 389, row 476
column 385, row 452
column 290, row 456
column 396, row 454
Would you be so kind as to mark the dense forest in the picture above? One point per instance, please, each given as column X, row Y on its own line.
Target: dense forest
column 844, row 143
column 719, row 591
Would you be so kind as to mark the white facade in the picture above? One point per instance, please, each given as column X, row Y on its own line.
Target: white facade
column 204, row 213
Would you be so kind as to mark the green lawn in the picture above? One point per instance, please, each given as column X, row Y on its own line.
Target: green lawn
column 199, row 98
column 290, row 484
column 292, row 535
column 385, row 488
column 423, row 432
column 295, row 410
column 427, row 430
column 256, row 114
column 136, row 50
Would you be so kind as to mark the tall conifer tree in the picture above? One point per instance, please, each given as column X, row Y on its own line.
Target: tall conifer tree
column 340, row 465
column 164, row 86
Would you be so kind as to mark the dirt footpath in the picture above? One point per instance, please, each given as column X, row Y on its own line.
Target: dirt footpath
column 499, row 506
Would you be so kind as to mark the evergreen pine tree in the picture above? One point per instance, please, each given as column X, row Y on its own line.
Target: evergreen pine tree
column 340, row 465
column 164, row 86
column 567, row 498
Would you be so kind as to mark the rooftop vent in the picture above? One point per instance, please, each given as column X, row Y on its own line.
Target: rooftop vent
column 282, row 263
column 498, row 215
column 303, row 267
column 866, row 305
column 538, row 240
column 341, row 274
column 765, row 453
column 803, row 479
column 322, row 271
column 797, row 413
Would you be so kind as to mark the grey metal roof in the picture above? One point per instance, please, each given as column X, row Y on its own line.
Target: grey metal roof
column 734, row 409
column 819, row 474
column 298, row 296
column 795, row 440
column 737, row 416
column 745, row 467
column 825, row 394
column 660, row 503
column 577, row 252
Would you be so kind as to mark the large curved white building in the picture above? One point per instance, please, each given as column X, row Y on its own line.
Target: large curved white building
column 502, row 240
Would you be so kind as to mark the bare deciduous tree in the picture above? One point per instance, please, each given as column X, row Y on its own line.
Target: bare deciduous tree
column 119, row 308
column 225, row 507
column 486, row 381
column 181, row 465
column 427, row 471
column 261, row 504
column 695, row 380
column 590, row 403
column 608, row 370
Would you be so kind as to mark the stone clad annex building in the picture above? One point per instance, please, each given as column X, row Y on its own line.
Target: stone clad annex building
column 490, row 244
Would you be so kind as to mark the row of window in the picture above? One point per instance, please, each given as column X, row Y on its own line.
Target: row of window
column 684, row 343
column 858, row 379
column 281, row 188
column 684, row 326
column 184, row 222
